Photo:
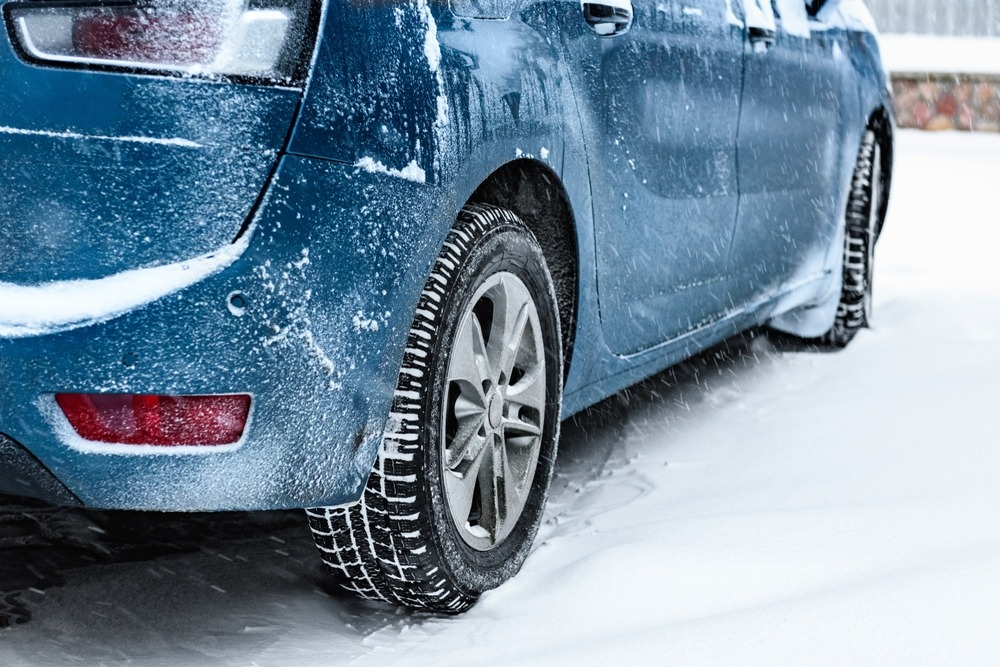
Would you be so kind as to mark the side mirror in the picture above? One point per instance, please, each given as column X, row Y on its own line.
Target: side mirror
column 608, row 18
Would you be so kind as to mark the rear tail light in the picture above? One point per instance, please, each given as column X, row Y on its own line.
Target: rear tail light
column 141, row 419
column 264, row 39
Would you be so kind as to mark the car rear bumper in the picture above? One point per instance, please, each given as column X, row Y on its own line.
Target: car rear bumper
column 329, row 279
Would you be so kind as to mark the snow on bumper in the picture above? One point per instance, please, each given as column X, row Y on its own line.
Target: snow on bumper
column 31, row 310
column 308, row 314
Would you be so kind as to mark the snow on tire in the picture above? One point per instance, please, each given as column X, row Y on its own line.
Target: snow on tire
column 457, row 491
column 863, row 211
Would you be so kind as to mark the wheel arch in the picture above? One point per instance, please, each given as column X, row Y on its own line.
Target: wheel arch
column 533, row 191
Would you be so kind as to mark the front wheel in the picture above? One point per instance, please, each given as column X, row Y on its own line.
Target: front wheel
column 864, row 209
column 457, row 491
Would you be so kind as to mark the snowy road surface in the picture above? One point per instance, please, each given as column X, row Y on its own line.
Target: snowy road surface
column 753, row 507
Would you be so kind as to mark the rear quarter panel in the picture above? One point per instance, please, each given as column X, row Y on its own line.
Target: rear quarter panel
column 415, row 91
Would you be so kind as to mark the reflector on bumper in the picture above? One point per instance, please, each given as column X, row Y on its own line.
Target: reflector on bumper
column 142, row 419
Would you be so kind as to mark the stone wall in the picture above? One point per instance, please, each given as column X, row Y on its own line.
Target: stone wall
column 948, row 102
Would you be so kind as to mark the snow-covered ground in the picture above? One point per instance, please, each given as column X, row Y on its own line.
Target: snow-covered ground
column 752, row 507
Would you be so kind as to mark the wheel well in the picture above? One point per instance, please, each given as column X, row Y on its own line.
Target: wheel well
column 534, row 192
column 880, row 123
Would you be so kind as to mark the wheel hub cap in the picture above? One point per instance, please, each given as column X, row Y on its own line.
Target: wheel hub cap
column 493, row 411
column 496, row 410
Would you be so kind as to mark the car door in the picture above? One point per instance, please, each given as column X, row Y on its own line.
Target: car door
column 796, row 97
column 660, row 105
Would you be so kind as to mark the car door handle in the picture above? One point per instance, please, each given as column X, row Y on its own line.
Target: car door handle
column 762, row 39
column 608, row 18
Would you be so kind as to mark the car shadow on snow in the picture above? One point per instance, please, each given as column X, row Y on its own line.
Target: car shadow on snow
column 43, row 547
column 266, row 559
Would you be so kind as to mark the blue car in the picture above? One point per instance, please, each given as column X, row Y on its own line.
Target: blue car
column 362, row 257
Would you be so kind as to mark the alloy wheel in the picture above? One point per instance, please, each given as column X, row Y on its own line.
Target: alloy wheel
column 494, row 409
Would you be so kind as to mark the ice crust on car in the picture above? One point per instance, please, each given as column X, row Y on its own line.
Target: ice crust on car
column 731, row 16
column 760, row 14
column 432, row 50
column 794, row 18
column 31, row 310
column 411, row 172
column 171, row 141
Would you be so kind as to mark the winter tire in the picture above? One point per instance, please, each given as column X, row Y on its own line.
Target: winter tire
column 457, row 491
column 864, row 208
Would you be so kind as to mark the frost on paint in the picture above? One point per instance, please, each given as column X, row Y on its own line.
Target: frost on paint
column 172, row 141
column 364, row 322
column 285, row 309
column 171, row 175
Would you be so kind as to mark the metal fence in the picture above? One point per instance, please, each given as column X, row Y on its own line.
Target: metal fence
column 938, row 17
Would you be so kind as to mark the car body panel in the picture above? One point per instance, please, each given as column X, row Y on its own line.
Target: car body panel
column 318, row 346
column 107, row 172
column 799, row 98
column 664, row 103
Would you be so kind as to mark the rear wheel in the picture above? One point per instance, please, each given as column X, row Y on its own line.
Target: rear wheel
column 457, row 491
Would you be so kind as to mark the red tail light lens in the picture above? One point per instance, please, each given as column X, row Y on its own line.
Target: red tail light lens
column 140, row 419
column 177, row 39
column 267, row 39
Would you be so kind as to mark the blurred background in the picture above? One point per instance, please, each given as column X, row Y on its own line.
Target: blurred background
column 938, row 17
column 944, row 56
